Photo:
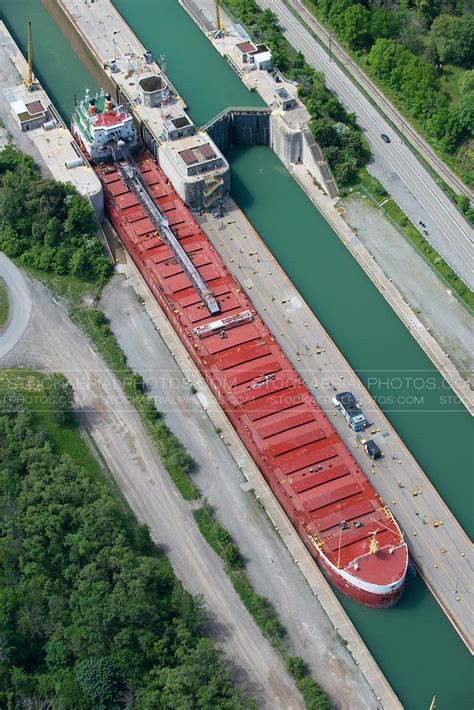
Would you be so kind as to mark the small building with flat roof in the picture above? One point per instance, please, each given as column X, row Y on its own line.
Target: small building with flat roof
column 29, row 114
column 200, row 158
column 178, row 127
column 284, row 99
column 245, row 49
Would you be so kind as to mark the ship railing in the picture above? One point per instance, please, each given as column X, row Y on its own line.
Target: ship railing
column 132, row 180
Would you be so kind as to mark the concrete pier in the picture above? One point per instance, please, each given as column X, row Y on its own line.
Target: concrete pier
column 384, row 695
column 440, row 547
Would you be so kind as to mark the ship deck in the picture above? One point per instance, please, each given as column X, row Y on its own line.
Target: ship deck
column 307, row 465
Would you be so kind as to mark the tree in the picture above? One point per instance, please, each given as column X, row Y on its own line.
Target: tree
column 91, row 615
column 384, row 23
column 61, row 397
column 351, row 24
column 80, row 216
column 453, row 39
column 47, row 225
column 98, row 681
column 466, row 111
column 466, row 81
column 324, row 132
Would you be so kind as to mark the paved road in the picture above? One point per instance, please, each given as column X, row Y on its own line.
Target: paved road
column 52, row 342
column 19, row 305
column 394, row 165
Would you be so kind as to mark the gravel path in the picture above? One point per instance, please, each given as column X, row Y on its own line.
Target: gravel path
column 20, row 305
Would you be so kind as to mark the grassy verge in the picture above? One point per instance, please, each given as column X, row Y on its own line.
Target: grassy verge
column 4, row 306
column 177, row 462
column 392, row 211
column 72, row 290
column 258, row 606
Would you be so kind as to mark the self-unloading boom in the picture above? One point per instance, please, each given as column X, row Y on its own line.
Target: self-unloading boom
column 131, row 177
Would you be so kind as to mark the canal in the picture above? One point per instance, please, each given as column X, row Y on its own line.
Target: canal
column 414, row 643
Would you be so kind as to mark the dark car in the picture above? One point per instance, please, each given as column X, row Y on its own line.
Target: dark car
column 385, row 138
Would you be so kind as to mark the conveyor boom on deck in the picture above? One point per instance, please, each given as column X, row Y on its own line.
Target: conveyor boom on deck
column 131, row 177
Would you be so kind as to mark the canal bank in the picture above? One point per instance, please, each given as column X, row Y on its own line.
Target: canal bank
column 253, row 194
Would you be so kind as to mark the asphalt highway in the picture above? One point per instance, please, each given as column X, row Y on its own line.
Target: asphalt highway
column 394, row 164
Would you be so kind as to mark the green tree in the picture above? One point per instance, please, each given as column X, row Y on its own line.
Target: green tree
column 47, row 225
column 453, row 39
column 80, row 216
column 324, row 132
column 99, row 682
column 61, row 397
column 466, row 111
column 354, row 28
column 384, row 23
column 466, row 81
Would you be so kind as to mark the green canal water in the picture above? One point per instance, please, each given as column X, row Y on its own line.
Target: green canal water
column 414, row 643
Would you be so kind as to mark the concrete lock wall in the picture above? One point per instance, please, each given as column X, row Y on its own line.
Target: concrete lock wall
column 286, row 142
column 220, row 132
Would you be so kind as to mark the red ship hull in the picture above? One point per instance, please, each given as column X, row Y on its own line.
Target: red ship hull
column 327, row 497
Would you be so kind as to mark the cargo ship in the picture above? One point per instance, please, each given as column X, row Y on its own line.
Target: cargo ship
column 344, row 523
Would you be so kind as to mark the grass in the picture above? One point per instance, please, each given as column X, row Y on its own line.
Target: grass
column 73, row 290
column 457, row 285
column 385, row 203
column 29, row 386
column 449, row 82
column 4, row 305
column 258, row 606
column 177, row 462
column 372, row 185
